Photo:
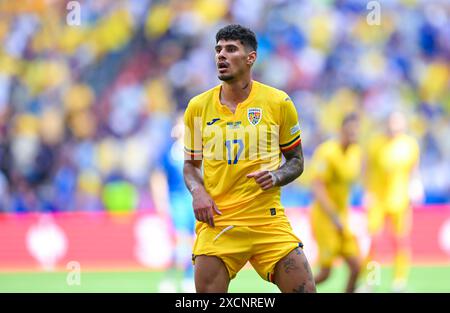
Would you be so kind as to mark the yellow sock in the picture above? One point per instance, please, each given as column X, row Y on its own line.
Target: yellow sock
column 364, row 266
column 368, row 277
column 401, row 265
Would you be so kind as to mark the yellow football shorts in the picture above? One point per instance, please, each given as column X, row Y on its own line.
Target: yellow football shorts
column 400, row 219
column 330, row 243
column 263, row 246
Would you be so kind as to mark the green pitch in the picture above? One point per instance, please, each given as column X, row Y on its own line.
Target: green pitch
column 422, row 279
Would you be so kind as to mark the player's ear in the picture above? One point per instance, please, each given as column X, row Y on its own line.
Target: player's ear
column 251, row 58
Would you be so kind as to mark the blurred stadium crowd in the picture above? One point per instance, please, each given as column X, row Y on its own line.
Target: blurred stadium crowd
column 86, row 111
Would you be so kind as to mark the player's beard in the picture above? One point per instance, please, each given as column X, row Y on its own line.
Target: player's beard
column 225, row 77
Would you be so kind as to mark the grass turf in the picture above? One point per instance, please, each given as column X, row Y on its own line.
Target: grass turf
column 422, row 279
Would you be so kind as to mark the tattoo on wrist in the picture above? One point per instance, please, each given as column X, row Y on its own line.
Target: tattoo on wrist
column 194, row 188
column 275, row 179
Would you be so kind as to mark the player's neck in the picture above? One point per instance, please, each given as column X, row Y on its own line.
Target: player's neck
column 235, row 92
column 345, row 144
column 393, row 136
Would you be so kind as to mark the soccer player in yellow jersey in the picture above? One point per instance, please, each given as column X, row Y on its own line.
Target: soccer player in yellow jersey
column 235, row 135
column 336, row 165
column 391, row 163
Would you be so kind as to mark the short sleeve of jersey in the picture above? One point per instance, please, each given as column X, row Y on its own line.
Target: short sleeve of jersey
column 192, row 134
column 320, row 165
column 289, row 125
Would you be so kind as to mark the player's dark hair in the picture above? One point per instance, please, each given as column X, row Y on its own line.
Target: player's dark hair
column 350, row 117
column 237, row 32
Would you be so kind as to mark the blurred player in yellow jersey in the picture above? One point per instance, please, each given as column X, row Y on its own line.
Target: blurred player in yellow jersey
column 392, row 162
column 336, row 165
column 236, row 133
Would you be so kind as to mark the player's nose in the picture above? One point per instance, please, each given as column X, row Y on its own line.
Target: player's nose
column 221, row 55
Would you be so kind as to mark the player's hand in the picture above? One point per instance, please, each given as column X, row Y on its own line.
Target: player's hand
column 204, row 207
column 338, row 224
column 265, row 179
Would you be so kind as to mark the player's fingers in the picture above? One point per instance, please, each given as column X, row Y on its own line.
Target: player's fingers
column 262, row 173
column 196, row 213
column 216, row 209
column 264, row 178
column 210, row 218
column 266, row 185
column 257, row 174
column 201, row 215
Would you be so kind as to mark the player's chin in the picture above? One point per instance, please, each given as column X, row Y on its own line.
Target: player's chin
column 225, row 77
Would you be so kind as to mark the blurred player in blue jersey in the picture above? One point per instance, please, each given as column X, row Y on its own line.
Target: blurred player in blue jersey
column 172, row 199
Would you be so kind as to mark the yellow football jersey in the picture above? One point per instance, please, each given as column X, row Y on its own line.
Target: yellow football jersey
column 338, row 169
column 389, row 168
column 233, row 145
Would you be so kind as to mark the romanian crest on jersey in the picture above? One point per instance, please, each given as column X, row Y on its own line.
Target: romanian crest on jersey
column 254, row 115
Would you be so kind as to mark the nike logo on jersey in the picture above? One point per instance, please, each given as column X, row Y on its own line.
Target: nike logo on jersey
column 212, row 122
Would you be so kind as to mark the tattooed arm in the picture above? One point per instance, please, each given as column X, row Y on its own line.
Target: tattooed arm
column 192, row 174
column 204, row 206
column 293, row 167
column 287, row 173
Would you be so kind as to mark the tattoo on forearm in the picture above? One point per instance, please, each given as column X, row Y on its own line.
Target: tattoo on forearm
column 192, row 177
column 193, row 183
column 292, row 169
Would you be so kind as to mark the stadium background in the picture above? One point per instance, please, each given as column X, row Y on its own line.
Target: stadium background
column 86, row 114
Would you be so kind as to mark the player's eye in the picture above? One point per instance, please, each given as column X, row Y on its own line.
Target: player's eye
column 231, row 49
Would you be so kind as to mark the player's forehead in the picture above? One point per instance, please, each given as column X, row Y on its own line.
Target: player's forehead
column 229, row 42
column 351, row 124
